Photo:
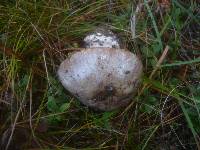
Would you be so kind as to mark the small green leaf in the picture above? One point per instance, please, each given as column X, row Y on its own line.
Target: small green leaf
column 51, row 104
column 152, row 100
column 64, row 107
column 156, row 48
column 54, row 120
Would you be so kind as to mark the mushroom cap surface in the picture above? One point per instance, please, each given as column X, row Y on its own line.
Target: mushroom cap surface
column 102, row 37
column 101, row 78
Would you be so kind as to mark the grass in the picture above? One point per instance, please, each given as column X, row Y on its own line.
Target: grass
column 37, row 112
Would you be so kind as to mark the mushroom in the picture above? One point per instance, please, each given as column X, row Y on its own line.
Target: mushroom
column 102, row 75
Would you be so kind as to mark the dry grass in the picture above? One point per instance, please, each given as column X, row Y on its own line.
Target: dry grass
column 35, row 110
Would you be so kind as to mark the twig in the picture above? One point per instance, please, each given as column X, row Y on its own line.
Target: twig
column 161, row 59
column 43, row 54
column 133, row 19
column 17, row 116
column 5, row 102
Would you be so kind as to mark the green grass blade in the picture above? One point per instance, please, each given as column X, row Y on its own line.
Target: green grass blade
column 154, row 25
column 181, row 63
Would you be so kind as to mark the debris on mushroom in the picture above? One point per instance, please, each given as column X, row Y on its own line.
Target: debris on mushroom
column 103, row 78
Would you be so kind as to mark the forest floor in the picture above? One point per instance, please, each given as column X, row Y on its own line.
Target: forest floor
column 36, row 112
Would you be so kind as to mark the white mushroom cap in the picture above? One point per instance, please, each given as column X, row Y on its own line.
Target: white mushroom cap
column 101, row 37
column 102, row 78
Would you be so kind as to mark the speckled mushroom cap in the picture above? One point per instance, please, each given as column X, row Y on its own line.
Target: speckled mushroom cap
column 102, row 37
column 102, row 78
